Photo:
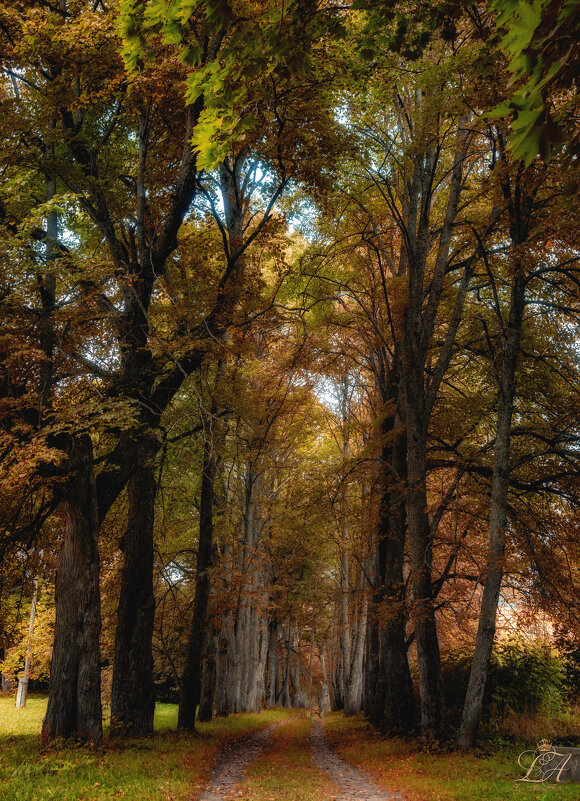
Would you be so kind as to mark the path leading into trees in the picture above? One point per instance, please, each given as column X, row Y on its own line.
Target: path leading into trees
column 234, row 762
column 354, row 783
column 230, row 770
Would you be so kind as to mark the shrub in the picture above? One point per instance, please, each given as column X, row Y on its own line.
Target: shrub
column 526, row 677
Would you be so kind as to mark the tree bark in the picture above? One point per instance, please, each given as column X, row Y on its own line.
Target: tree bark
column 208, row 678
column 353, row 696
column 251, row 634
column 191, row 680
column 222, row 692
column 273, row 664
column 420, row 547
column 298, row 697
column 421, row 387
column 133, row 690
column 74, row 704
column 25, row 678
column 472, row 708
column 324, row 705
column 345, row 623
column 390, row 701
column 399, row 711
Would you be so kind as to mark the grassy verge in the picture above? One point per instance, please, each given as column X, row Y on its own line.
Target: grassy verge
column 167, row 767
column 401, row 764
column 284, row 771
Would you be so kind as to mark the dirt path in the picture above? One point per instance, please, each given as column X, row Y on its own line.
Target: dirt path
column 230, row 770
column 234, row 762
column 354, row 783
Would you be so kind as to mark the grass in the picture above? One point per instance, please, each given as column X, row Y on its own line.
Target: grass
column 170, row 766
column 562, row 727
column 421, row 775
column 284, row 771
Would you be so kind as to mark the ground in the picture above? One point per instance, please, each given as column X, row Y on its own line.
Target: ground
column 279, row 755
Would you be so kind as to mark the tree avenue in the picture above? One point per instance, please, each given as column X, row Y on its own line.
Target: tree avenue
column 289, row 357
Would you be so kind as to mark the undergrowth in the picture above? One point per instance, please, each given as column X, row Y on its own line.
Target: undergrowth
column 423, row 774
column 169, row 766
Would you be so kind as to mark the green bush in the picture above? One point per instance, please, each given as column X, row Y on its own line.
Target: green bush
column 568, row 644
column 524, row 676
column 455, row 667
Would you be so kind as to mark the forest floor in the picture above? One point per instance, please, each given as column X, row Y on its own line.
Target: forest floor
column 278, row 755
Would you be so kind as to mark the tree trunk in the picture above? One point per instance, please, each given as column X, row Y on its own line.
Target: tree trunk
column 208, row 678
column 373, row 680
column 389, row 700
column 250, row 633
column 286, row 695
column 471, row 717
column 133, row 690
column 420, row 546
column 225, row 699
column 353, row 696
column 22, row 692
column 337, row 674
column 345, row 635
column 324, row 705
column 74, row 702
column 399, row 700
column 262, row 652
column 191, row 680
column 273, row 663
column 298, row 696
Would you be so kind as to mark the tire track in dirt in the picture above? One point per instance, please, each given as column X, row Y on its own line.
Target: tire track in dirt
column 233, row 763
column 354, row 783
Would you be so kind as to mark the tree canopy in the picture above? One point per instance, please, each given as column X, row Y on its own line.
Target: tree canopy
column 289, row 360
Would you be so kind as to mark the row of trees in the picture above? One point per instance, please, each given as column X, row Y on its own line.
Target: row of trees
column 289, row 348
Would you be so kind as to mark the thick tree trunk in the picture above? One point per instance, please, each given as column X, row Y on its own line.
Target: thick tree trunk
column 471, row 717
column 263, row 652
column 337, row 670
column 298, row 695
column 191, row 680
column 74, row 702
column 373, row 679
column 420, row 545
column 284, row 696
column 234, row 672
column 208, row 678
column 273, row 665
column 133, row 691
column 251, row 633
column 222, row 690
column 371, row 672
column 353, row 696
column 285, row 690
column 389, row 699
column 399, row 701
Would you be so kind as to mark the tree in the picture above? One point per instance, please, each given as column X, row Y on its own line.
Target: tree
column 541, row 41
column 522, row 192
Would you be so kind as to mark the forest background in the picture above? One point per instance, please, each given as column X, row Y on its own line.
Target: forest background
column 289, row 361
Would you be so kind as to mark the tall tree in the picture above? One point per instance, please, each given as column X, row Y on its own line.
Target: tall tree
column 525, row 204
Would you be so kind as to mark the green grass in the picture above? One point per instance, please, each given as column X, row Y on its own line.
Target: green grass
column 284, row 771
column 170, row 766
column 402, row 764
